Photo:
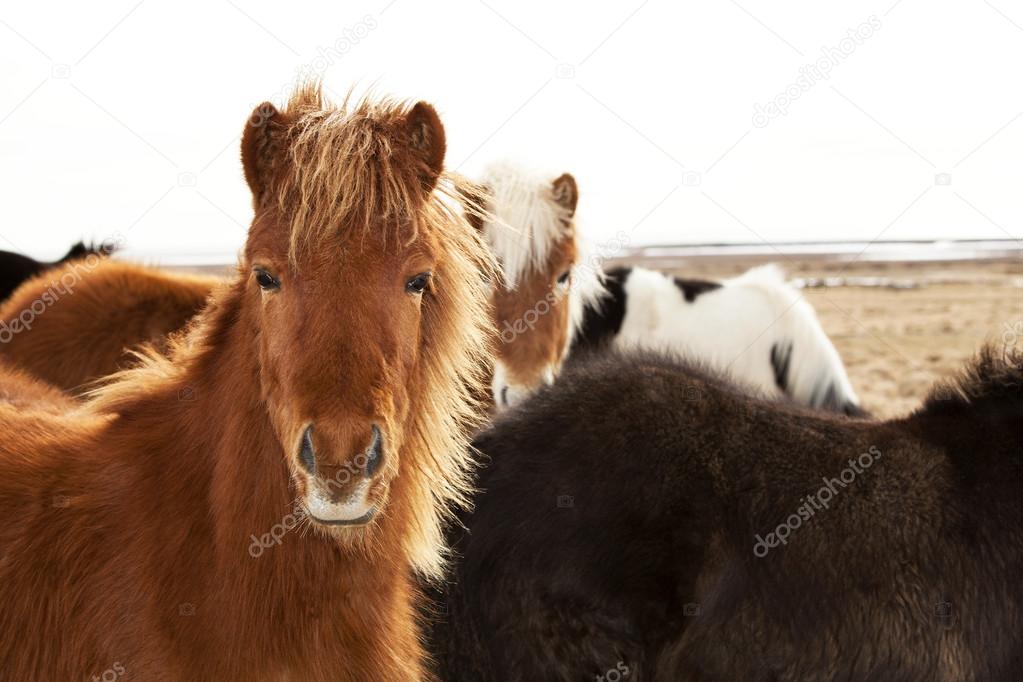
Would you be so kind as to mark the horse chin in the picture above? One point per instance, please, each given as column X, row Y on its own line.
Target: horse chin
column 345, row 522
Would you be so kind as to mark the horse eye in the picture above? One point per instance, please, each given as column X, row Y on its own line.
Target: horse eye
column 417, row 284
column 266, row 281
column 564, row 277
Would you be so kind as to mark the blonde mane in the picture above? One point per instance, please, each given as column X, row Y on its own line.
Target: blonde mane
column 525, row 219
column 370, row 187
column 587, row 284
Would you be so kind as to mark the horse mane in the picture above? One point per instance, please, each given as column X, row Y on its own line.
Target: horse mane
column 588, row 285
column 525, row 219
column 154, row 371
column 992, row 380
column 522, row 223
column 372, row 186
column 81, row 249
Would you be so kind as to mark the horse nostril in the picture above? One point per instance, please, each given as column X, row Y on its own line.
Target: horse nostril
column 504, row 396
column 375, row 454
column 307, row 455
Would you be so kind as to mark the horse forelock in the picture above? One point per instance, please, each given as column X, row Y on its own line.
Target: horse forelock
column 349, row 170
column 526, row 222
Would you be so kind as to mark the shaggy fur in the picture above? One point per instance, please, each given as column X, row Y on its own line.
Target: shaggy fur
column 15, row 268
column 755, row 328
column 620, row 514
column 129, row 521
column 90, row 314
column 21, row 390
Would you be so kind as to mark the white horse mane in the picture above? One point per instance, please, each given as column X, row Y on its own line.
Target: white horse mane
column 526, row 220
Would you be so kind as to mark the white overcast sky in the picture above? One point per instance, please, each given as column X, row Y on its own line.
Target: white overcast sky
column 123, row 117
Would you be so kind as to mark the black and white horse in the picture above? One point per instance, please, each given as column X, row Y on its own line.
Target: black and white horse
column 755, row 328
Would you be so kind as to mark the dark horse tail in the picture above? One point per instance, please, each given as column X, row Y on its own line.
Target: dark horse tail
column 16, row 268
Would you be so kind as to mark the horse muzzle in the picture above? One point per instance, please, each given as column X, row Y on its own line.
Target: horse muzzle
column 341, row 495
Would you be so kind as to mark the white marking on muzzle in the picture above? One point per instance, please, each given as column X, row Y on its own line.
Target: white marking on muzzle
column 353, row 508
column 506, row 393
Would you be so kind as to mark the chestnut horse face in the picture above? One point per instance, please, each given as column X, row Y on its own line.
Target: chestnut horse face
column 347, row 257
column 535, row 243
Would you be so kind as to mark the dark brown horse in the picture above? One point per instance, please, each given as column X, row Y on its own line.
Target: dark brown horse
column 325, row 389
column 642, row 520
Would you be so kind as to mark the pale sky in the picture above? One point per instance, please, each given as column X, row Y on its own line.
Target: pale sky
column 123, row 117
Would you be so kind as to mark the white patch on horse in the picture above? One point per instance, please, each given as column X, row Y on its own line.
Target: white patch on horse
column 352, row 508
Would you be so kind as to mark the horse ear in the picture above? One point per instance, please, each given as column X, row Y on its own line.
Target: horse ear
column 259, row 149
column 566, row 193
column 428, row 142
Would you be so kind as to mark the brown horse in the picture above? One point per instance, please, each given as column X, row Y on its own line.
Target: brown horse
column 143, row 529
column 546, row 283
column 77, row 323
column 529, row 228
